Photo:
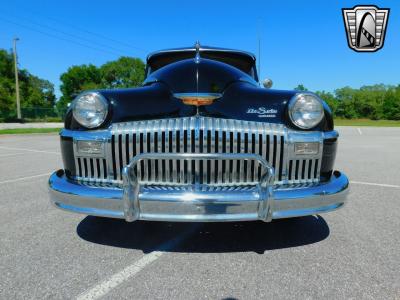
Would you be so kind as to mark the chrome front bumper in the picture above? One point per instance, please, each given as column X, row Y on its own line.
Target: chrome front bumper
column 198, row 203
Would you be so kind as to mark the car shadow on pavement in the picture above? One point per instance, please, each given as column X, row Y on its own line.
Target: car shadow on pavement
column 205, row 237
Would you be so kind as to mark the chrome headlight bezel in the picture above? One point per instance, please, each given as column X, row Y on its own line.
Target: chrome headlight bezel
column 96, row 111
column 302, row 121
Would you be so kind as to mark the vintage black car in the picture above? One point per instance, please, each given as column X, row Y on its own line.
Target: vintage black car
column 201, row 140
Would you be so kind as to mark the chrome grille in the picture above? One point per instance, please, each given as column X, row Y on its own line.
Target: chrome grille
column 303, row 170
column 197, row 134
column 91, row 168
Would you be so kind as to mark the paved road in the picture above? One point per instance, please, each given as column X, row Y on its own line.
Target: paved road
column 350, row 253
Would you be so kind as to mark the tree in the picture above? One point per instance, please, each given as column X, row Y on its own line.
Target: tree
column 300, row 87
column 34, row 91
column 7, row 84
column 37, row 92
column 121, row 73
column 346, row 102
column 391, row 104
column 330, row 99
column 76, row 80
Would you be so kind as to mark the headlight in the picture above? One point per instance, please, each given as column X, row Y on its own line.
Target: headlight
column 90, row 109
column 306, row 110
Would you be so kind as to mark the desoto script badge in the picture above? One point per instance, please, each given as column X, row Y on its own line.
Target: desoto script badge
column 365, row 27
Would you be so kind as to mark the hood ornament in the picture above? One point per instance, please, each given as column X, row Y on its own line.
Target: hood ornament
column 197, row 57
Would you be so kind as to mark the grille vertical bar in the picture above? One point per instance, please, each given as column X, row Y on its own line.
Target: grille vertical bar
column 166, row 162
column 101, row 166
column 228, row 171
column 189, row 148
column 212, row 162
column 152, row 149
column 203, row 163
column 219, row 150
column 182, row 129
column 146, row 166
column 197, row 150
column 122, row 150
column 117, row 158
column 138, row 150
column 159, row 149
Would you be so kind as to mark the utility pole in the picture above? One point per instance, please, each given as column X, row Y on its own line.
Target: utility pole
column 19, row 117
column 259, row 56
column 259, row 49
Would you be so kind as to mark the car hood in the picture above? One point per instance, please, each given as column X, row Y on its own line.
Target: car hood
column 239, row 96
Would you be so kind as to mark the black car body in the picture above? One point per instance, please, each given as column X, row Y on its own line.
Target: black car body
column 201, row 140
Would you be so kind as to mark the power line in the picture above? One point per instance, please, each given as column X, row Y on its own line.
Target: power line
column 36, row 13
column 74, row 36
column 61, row 38
column 101, row 36
column 259, row 56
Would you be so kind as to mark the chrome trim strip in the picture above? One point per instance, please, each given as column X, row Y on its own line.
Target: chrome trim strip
column 331, row 134
column 103, row 134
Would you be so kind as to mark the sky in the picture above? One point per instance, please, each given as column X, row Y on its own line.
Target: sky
column 301, row 41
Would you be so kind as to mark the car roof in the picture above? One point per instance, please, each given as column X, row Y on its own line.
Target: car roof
column 193, row 49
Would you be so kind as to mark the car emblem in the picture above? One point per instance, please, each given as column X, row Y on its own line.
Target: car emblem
column 262, row 112
column 198, row 99
column 366, row 27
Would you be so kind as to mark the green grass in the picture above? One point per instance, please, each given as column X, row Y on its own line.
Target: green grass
column 29, row 130
column 338, row 122
column 367, row 122
column 47, row 120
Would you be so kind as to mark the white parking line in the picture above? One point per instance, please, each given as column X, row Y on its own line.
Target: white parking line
column 376, row 184
column 24, row 178
column 30, row 150
column 107, row 285
column 359, row 131
column 12, row 154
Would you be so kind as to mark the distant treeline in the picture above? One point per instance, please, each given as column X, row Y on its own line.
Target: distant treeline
column 373, row 102
column 34, row 91
column 37, row 94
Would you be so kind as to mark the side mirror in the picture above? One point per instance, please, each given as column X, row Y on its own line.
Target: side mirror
column 267, row 83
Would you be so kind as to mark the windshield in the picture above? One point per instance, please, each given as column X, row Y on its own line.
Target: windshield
column 242, row 62
column 203, row 76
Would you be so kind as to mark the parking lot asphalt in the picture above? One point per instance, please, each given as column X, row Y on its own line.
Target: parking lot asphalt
column 350, row 253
